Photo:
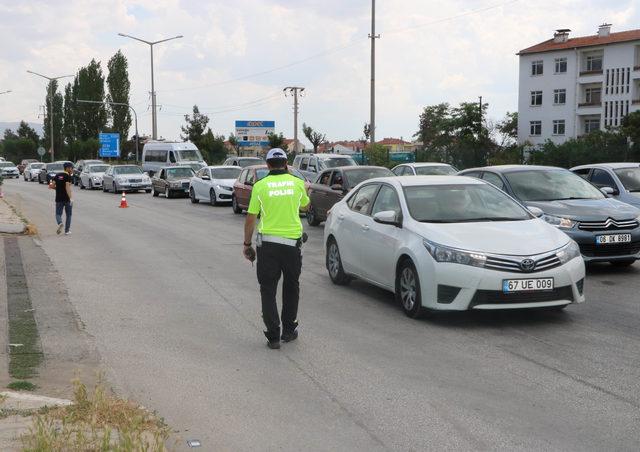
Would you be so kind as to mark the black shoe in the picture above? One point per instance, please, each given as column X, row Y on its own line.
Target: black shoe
column 273, row 345
column 288, row 337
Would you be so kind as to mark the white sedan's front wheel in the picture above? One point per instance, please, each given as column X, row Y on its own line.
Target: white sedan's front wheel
column 334, row 264
column 408, row 290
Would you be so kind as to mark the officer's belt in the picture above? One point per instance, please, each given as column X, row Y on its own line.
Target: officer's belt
column 280, row 240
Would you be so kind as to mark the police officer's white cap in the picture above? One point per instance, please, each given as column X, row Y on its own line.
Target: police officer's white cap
column 276, row 153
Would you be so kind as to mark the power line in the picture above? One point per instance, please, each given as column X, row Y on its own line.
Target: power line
column 450, row 18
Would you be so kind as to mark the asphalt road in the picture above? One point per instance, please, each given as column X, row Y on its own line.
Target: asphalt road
column 174, row 312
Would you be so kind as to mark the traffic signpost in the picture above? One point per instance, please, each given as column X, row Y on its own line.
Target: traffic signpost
column 109, row 145
column 41, row 151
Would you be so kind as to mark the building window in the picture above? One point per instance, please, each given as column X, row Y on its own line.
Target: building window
column 536, row 98
column 594, row 63
column 559, row 96
column 561, row 65
column 593, row 96
column 537, row 67
column 536, row 128
column 591, row 124
column 558, row 127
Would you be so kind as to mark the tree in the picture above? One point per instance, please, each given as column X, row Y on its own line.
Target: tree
column 508, row 127
column 26, row 131
column 377, row 155
column 91, row 119
column 631, row 128
column 233, row 142
column 213, row 147
column 69, row 113
column 119, row 85
column 53, row 102
column 276, row 141
column 195, row 128
column 16, row 149
column 10, row 135
column 316, row 138
column 366, row 132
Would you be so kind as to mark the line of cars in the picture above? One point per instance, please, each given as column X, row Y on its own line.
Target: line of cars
column 502, row 237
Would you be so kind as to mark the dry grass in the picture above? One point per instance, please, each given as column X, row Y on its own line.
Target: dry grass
column 96, row 422
column 31, row 229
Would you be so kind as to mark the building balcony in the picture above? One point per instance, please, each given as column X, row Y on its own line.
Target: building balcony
column 599, row 72
column 590, row 104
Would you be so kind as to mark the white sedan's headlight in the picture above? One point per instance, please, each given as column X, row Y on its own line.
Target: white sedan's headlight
column 443, row 253
column 224, row 187
column 559, row 222
column 96, row 178
column 570, row 251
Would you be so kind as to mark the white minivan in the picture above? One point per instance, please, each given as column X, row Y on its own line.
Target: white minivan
column 158, row 154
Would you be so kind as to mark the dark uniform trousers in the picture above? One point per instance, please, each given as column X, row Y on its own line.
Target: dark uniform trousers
column 275, row 259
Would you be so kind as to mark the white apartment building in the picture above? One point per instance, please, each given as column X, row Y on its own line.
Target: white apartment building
column 569, row 87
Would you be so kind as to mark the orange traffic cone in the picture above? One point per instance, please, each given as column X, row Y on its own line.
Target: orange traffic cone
column 123, row 202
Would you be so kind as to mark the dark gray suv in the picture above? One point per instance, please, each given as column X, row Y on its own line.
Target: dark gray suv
column 607, row 230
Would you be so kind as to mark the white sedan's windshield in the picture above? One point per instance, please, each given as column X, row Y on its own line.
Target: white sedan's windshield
column 179, row 173
column 6, row 164
column 551, row 185
column 462, row 203
column 231, row 172
column 98, row 168
column 335, row 162
column 127, row 170
column 630, row 178
column 435, row 170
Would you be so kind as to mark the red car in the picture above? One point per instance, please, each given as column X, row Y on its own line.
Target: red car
column 244, row 184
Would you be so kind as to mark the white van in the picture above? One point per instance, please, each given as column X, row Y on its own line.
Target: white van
column 158, row 154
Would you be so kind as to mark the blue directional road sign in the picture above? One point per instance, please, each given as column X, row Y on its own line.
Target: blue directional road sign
column 109, row 144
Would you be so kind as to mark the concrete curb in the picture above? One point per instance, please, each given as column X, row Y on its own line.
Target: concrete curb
column 22, row 400
column 8, row 228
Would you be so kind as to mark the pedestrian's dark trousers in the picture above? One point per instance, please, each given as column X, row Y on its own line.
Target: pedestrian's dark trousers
column 67, row 207
column 275, row 259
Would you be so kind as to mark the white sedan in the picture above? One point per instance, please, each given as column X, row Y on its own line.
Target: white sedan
column 451, row 243
column 214, row 184
column 32, row 170
column 92, row 175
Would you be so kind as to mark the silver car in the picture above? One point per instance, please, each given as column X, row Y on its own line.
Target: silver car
column 9, row 169
column 92, row 175
column 620, row 181
column 32, row 170
column 121, row 178
column 172, row 181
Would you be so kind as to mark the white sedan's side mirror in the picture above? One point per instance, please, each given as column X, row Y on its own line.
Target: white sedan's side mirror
column 387, row 217
column 535, row 211
column 608, row 191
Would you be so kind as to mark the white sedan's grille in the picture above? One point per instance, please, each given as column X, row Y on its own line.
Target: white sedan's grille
column 515, row 264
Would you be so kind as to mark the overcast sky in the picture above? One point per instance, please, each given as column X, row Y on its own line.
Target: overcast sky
column 237, row 56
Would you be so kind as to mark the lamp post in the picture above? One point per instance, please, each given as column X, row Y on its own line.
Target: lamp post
column 135, row 117
column 154, row 119
column 50, row 107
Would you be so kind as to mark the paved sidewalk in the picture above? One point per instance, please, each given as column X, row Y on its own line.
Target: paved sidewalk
column 10, row 222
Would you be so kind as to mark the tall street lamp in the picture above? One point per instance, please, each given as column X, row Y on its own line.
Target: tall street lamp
column 154, row 119
column 50, row 107
column 135, row 116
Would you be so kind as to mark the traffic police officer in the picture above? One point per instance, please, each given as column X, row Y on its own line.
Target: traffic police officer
column 278, row 198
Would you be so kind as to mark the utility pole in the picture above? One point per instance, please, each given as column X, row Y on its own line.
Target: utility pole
column 373, row 37
column 154, row 117
column 50, row 99
column 294, row 90
column 480, row 122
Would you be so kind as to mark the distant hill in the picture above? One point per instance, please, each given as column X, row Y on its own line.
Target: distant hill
column 14, row 126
